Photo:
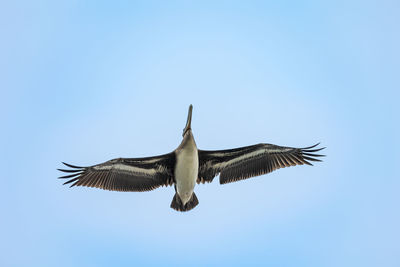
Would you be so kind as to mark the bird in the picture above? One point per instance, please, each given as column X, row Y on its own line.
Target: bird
column 188, row 165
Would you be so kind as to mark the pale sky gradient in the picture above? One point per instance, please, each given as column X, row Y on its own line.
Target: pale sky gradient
column 88, row 81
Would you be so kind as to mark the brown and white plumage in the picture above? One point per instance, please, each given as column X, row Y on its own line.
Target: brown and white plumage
column 124, row 174
column 245, row 162
column 186, row 165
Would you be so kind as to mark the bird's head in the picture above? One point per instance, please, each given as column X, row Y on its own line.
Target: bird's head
column 188, row 122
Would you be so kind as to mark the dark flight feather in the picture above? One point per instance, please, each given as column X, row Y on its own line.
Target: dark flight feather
column 125, row 174
column 245, row 162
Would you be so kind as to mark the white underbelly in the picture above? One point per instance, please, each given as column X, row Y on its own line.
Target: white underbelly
column 186, row 171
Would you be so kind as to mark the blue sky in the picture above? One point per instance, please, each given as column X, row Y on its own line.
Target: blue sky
column 87, row 81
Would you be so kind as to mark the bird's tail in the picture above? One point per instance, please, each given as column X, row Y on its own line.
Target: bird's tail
column 177, row 204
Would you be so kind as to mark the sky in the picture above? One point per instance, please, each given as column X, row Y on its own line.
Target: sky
column 87, row 81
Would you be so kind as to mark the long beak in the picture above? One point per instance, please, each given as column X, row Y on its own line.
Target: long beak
column 189, row 121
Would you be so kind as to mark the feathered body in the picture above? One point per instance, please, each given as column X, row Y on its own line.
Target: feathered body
column 187, row 165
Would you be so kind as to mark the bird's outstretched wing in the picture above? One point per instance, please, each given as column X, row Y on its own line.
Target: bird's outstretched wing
column 245, row 162
column 124, row 174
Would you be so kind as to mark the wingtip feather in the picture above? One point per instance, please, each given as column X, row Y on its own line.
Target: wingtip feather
column 311, row 146
column 64, row 170
column 73, row 166
column 69, row 176
column 72, row 180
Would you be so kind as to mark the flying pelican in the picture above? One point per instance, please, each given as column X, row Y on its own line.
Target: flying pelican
column 187, row 165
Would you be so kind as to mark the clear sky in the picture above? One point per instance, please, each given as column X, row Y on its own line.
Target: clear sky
column 88, row 81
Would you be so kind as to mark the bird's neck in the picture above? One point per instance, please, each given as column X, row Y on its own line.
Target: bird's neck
column 188, row 141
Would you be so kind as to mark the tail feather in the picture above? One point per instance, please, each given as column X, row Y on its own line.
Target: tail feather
column 177, row 204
